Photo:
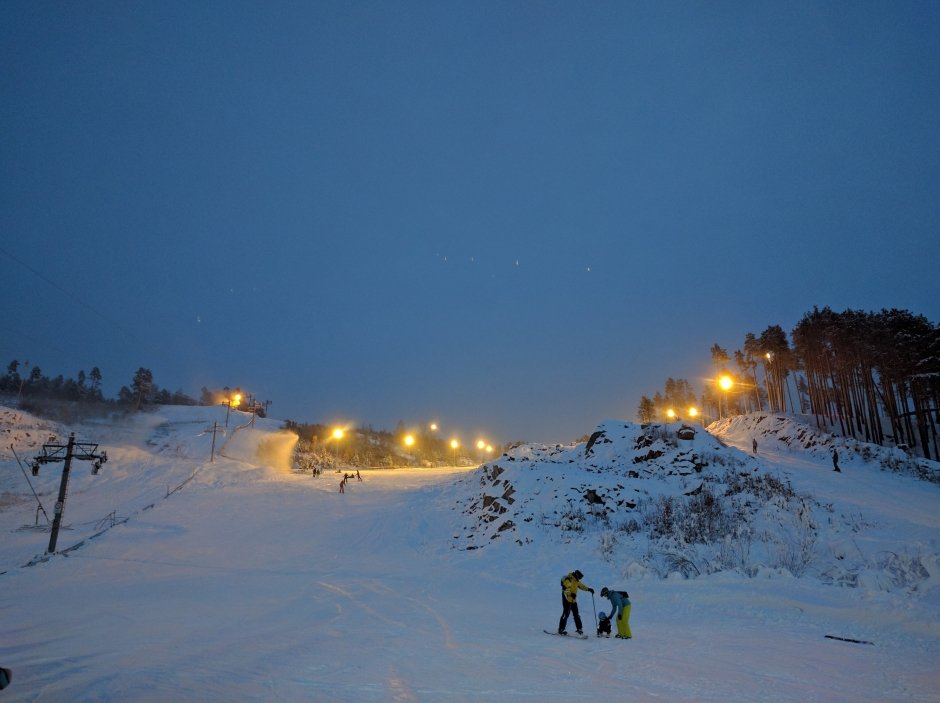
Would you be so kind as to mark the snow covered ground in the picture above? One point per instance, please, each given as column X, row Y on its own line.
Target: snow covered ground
column 240, row 580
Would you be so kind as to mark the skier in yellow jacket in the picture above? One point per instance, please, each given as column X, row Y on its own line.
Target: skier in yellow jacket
column 570, row 585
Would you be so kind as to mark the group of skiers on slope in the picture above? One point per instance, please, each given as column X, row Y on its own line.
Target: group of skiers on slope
column 619, row 612
column 346, row 477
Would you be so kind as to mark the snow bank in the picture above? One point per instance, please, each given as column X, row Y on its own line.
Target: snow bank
column 675, row 501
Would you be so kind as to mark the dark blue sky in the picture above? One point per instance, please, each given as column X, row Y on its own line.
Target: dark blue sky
column 513, row 217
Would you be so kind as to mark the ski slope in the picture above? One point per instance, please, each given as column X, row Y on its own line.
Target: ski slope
column 252, row 583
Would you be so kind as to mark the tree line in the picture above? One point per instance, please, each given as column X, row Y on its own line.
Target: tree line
column 28, row 383
column 368, row 447
column 874, row 375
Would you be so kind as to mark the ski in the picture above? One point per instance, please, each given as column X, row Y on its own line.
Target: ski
column 573, row 635
column 847, row 639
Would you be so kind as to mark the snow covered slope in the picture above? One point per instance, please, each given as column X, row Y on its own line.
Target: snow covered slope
column 239, row 580
column 651, row 501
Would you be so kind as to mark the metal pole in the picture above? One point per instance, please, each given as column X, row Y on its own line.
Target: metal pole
column 60, row 503
column 215, row 426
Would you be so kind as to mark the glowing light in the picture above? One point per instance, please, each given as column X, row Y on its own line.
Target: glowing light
column 339, row 433
column 433, row 427
column 725, row 383
column 671, row 414
column 236, row 399
column 454, row 444
column 693, row 412
column 481, row 444
column 489, row 448
column 409, row 440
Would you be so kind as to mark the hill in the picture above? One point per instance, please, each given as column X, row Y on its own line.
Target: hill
column 656, row 503
column 238, row 579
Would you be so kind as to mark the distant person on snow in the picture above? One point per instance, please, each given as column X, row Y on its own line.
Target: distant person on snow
column 620, row 611
column 754, row 445
column 835, row 460
column 570, row 585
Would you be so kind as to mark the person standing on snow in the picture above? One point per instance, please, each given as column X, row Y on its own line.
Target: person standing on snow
column 754, row 445
column 570, row 585
column 619, row 611
column 835, row 460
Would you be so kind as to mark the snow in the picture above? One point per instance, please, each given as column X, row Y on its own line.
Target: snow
column 240, row 580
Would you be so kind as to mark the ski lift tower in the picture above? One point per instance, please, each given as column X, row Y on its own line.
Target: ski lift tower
column 83, row 451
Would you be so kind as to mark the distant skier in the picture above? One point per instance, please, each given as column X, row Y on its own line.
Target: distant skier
column 342, row 486
column 754, row 445
column 570, row 585
column 620, row 611
column 835, row 460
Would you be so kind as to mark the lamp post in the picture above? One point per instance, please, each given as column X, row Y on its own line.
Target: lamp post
column 337, row 434
column 454, row 444
column 232, row 400
column 408, row 440
column 693, row 413
column 725, row 383
column 432, row 443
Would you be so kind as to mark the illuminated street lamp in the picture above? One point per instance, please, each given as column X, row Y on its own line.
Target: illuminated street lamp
column 481, row 447
column 725, row 382
column 454, row 444
column 409, row 441
column 337, row 434
column 671, row 414
column 233, row 400
column 693, row 412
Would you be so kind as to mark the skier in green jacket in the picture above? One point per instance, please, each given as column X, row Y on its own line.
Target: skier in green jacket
column 620, row 611
column 570, row 585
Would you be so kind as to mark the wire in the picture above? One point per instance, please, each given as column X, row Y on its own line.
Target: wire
column 70, row 294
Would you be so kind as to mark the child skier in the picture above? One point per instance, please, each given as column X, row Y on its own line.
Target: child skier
column 620, row 611
column 570, row 585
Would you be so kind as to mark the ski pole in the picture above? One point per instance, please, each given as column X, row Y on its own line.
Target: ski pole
column 595, row 611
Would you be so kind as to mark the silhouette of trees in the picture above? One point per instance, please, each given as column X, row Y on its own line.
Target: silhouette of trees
column 874, row 375
column 867, row 370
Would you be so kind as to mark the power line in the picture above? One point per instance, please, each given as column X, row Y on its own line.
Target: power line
column 69, row 294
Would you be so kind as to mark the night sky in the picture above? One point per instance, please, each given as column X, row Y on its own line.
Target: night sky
column 513, row 218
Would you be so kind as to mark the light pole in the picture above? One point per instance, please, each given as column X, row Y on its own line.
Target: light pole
column 454, row 444
column 232, row 400
column 409, row 441
column 432, row 443
column 725, row 383
column 337, row 434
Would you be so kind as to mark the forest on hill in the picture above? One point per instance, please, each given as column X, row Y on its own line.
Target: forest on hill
column 874, row 376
